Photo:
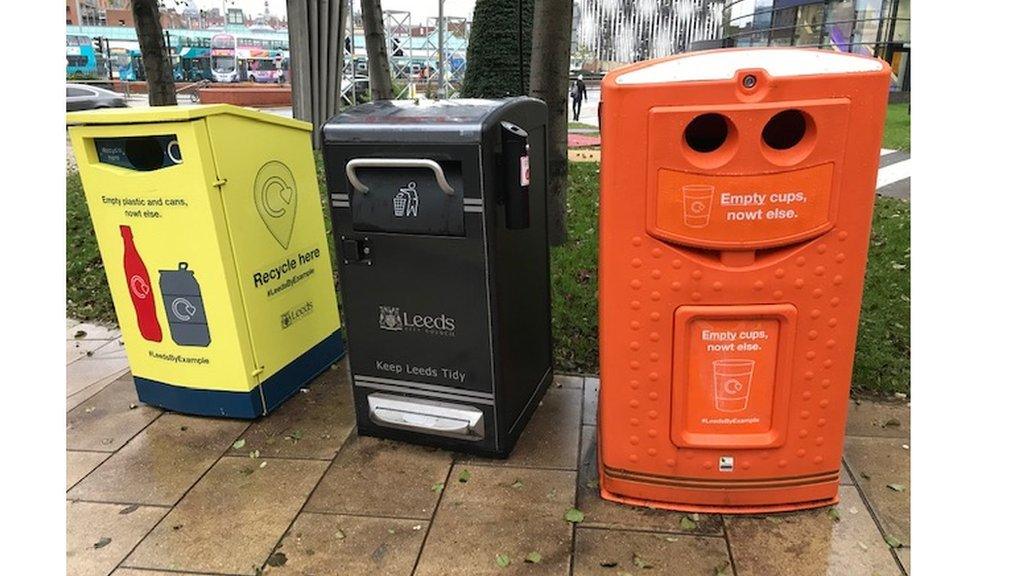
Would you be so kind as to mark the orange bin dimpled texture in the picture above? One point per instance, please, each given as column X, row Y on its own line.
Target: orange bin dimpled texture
column 736, row 196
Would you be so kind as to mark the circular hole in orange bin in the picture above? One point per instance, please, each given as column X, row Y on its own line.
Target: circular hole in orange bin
column 707, row 132
column 785, row 130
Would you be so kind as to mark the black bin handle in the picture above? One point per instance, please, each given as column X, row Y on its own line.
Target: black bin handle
column 350, row 170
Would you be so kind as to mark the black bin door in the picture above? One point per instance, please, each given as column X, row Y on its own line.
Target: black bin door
column 408, row 199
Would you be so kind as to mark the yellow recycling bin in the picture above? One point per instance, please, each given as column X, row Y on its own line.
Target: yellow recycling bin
column 211, row 230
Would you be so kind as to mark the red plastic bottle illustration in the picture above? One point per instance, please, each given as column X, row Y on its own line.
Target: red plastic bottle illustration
column 140, row 289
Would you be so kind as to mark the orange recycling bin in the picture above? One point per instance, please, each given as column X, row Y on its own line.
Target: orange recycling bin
column 736, row 196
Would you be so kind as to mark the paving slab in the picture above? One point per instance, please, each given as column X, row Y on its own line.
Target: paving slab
column 376, row 477
column 162, row 462
column 876, row 463
column 551, row 438
column 106, row 421
column 137, row 572
column 77, row 349
column 330, row 545
column 99, row 536
column 904, row 557
column 811, row 543
column 83, row 395
column 311, row 424
column 501, row 510
column 602, row 513
column 884, row 419
column 232, row 519
column 80, row 464
column 567, row 381
column 591, row 387
column 609, row 552
column 87, row 371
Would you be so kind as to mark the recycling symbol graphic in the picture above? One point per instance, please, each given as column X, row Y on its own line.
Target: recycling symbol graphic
column 276, row 198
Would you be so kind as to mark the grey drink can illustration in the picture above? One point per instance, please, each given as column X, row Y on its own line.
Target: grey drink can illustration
column 183, row 303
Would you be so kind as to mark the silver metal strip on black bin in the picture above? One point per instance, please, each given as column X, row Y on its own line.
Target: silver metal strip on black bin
column 428, row 416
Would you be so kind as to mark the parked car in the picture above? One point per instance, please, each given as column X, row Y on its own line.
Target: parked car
column 85, row 97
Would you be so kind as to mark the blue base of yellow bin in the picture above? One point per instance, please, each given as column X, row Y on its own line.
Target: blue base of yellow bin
column 276, row 389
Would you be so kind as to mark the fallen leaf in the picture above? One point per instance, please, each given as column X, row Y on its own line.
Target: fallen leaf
column 686, row 523
column 391, row 530
column 437, row 487
column 896, row 487
column 865, row 475
column 339, row 535
column 263, row 464
column 640, row 562
column 533, row 558
column 833, row 514
column 177, row 527
column 254, row 454
column 893, row 541
column 132, row 406
column 608, row 564
column 239, row 444
column 277, row 559
column 517, row 484
column 90, row 409
column 891, row 423
column 246, row 471
column 722, row 569
column 573, row 515
column 671, row 538
column 101, row 542
column 862, row 545
column 502, row 560
column 81, row 334
column 129, row 509
column 592, row 484
column 295, row 435
column 464, row 476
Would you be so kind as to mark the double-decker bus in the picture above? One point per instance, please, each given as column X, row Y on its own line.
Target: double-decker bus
column 222, row 58
column 81, row 57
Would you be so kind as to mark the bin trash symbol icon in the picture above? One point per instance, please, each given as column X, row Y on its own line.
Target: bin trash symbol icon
column 407, row 201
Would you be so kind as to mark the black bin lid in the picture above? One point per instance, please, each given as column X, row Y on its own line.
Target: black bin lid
column 437, row 121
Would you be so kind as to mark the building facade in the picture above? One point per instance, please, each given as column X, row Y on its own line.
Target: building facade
column 879, row 28
column 610, row 33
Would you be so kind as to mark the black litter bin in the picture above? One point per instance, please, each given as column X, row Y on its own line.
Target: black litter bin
column 441, row 235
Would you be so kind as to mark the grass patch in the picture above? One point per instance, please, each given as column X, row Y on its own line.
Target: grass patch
column 88, row 297
column 581, row 126
column 897, row 127
column 574, row 276
column 882, row 363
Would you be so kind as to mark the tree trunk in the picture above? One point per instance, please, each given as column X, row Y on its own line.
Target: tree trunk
column 376, row 50
column 159, row 76
column 549, row 81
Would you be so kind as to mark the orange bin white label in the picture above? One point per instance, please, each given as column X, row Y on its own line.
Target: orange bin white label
column 761, row 210
column 731, row 375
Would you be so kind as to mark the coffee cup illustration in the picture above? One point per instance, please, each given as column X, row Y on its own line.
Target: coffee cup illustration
column 697, row 200
column 732, row 384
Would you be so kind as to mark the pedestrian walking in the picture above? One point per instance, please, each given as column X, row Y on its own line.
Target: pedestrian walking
column 578, row 93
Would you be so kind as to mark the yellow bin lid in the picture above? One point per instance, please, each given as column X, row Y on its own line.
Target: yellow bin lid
column 154, row 114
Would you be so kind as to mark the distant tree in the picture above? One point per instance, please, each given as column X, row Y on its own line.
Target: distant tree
column 376, row 50
column 549, row 81
column 159, row 76
column 498, row 58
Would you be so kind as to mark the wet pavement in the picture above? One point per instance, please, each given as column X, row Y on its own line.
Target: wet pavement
column 153, row 492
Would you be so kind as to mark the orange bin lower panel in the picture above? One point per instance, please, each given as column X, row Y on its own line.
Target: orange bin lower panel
column 750, row 497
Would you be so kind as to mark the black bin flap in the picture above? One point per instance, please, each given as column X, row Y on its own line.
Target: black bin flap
column 407, row 196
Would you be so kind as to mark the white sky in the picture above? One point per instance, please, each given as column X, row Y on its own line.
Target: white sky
column 420, row 9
